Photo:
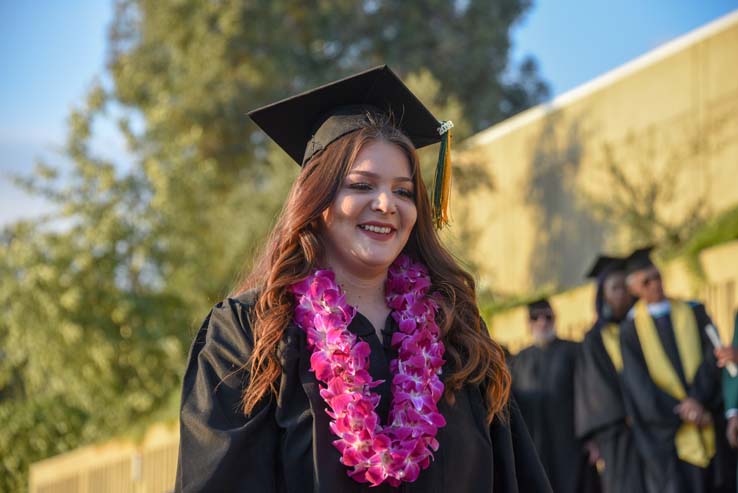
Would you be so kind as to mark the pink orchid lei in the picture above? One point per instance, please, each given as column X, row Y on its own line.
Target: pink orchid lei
column 372, row 452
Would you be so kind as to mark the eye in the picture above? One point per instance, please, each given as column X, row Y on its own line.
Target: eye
column 360, row 186
column 405, row 192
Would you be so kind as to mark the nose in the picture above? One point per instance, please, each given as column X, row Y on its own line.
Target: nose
column 384, row 202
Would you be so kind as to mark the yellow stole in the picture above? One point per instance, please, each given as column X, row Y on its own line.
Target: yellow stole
column 693, row 444
column 611, row 340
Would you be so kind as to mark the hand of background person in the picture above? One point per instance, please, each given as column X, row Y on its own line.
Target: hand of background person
column 691, row 411
column 705, row 420
column 593, row 452
column 725, row 355
column 731, row 431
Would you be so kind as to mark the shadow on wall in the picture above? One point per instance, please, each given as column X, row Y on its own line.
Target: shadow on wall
column 471, row 173
column 567, row 234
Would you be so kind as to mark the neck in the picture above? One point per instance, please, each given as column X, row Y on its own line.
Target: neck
column 656, row 300
column 362, row 291
column 543, row 340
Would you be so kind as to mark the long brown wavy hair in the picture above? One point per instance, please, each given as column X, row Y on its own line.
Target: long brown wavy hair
column 294, row 249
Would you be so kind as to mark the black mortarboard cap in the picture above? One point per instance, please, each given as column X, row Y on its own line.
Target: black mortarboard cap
column 305, row 124
column 604, row 265
column 539, row 304
column 639, row 259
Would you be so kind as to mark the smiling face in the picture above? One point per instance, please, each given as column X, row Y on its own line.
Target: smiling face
column 646, row 284
column 369, row 222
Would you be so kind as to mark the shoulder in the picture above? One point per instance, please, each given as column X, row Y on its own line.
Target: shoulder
column 699, row 310
column 228, row 325
column 566, row 345
column 593, row 335
column 697, row 306
column 569, row 344
column 627, row 328
column 239, row 304
column 520, row 359
column 571, row 348
column 526, row 352
column 244, row 301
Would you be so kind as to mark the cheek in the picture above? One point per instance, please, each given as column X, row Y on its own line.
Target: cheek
column 614, row 294
column 345, row 207
column 409, row 215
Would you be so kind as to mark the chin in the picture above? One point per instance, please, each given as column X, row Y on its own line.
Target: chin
column 377, row 257
column 378, row 261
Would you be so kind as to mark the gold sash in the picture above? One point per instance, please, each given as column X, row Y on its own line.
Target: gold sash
column 611, row 340
column 694, row 445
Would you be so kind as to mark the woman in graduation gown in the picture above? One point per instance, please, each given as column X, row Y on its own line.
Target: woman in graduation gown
column 600, row 415
column 353, row 357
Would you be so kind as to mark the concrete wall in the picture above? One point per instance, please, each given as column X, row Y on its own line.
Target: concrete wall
column 523, row 202
column 575, row 307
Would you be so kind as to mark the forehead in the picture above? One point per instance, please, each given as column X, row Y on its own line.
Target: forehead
column 541, row 311
column 615, row 278
column 382, row 158
column 649, row 271
column 638, row 275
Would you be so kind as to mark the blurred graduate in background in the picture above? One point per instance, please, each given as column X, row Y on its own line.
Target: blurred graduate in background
column 543, row 384
column 601, row 420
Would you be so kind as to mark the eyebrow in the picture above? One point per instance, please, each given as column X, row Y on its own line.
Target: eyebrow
column 369, row 174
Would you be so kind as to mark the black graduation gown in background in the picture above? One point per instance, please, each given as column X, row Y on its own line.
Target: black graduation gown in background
column 286, row 446
column 655, row 423
column 600, row 415
column 543, row 384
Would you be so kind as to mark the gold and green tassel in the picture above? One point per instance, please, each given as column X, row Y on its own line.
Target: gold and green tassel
column 442, row 182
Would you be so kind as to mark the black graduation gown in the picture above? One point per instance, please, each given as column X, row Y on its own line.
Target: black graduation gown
column 655, row 423
column 543, row 384
column 600, row 415
column 286, row 446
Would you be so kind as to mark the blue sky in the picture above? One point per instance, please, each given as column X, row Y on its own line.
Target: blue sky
column 575, row 41
column 50, row 51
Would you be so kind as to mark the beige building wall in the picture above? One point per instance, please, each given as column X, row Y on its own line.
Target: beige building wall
column 524, row 190
column 718, row 290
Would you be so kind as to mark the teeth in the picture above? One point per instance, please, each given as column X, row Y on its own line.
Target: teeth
column 376, row 229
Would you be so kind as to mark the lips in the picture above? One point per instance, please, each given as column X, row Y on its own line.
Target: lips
column 385, row 230
column 378, row 231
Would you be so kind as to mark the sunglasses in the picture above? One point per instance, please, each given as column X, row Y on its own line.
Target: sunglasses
column 656, row 276
column 536, row 316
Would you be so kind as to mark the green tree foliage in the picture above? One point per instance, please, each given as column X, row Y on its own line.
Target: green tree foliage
column 101, row 299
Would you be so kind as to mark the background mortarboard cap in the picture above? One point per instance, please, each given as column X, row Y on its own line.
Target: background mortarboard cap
column 539, row 304
column 605, row 264
column 639, row 259
column 307, row 123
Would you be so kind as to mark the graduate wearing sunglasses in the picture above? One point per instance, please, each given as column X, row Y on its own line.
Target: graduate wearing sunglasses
column 671, row 383
column 543, row 384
